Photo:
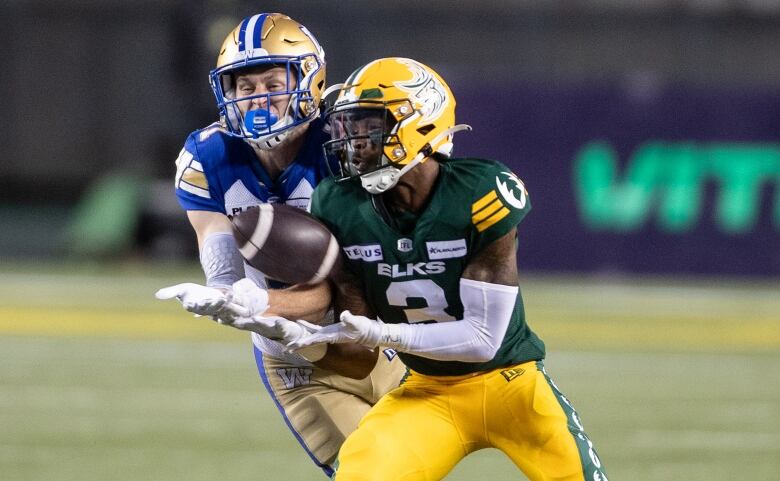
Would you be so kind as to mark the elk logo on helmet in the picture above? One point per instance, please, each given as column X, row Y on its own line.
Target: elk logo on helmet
column 425, row 89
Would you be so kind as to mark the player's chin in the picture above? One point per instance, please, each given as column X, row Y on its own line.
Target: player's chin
column 360, row 166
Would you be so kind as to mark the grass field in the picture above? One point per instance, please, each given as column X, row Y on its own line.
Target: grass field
column 98, row 380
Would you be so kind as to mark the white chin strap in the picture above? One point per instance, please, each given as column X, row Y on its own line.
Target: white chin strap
column 386, row 178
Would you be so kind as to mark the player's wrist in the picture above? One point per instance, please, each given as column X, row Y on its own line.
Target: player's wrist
column 390, row 335
column 313, row 353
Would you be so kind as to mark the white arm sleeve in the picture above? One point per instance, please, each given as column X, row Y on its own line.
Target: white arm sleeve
column 222, row 262
column 487, row 309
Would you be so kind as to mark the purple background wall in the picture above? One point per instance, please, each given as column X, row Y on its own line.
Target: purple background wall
column 539, row 129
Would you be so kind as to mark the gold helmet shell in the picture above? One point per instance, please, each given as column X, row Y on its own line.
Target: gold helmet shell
column 419, row 119
column 272, row 39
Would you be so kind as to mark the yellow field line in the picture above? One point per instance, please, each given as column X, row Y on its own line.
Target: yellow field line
column 37, row 321
column 612, row 331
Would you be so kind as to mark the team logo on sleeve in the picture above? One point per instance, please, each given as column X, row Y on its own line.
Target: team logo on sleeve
column 512, row 189
column 491, row 207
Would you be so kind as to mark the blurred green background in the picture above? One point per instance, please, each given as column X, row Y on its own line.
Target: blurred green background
column 674, row 380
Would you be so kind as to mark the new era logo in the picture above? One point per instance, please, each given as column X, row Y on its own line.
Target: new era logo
column 510, row 374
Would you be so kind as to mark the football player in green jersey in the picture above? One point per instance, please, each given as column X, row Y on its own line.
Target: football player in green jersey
column 430, row 270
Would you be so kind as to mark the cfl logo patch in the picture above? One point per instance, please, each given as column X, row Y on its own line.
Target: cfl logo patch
column 510, row 374
column 405, row 245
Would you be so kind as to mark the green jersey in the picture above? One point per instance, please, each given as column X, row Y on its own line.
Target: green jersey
column 413, row 274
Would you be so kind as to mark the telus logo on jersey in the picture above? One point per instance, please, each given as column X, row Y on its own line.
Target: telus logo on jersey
column 410, row 269
column 366, row 253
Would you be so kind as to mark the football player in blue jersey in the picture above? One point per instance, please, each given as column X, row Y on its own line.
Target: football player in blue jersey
column 267, row 148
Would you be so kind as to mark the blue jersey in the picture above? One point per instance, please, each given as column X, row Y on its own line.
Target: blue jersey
column 219, row 173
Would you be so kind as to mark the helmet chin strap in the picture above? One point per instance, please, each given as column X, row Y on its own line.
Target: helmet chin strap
column 385, row 178
column 269, row 143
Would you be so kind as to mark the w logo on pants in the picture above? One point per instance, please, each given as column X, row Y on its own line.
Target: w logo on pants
column 295, row 376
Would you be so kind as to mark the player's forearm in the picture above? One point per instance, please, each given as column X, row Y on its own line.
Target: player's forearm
column 219, row 256
column 309, row 302
column 477, row 337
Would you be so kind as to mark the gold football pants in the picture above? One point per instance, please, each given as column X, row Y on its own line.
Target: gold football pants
column 419, row 431
column 322, row 408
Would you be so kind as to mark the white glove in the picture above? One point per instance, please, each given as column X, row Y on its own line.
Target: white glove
column 248, row 300
column 351, row 329
column 274, row 328
column 200, row 300
column 241, row 307
column 246, row 310
column 285, row 332
column 244, row 299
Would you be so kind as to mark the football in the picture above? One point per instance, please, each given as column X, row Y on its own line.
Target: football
column 286, row 243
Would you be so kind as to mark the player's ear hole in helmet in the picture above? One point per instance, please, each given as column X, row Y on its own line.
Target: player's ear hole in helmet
column 412, row 105
column 268, row 41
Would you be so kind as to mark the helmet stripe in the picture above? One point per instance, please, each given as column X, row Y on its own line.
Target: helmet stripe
column 357, row 73
column 257, row 31
column 242, row 34
column 252, row 33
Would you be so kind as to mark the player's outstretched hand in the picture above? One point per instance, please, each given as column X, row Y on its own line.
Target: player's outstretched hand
column 274, row 327
column 351, row 329
column 224, row 305
column 248, row 300
column 245, row 311
column 197, row 299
